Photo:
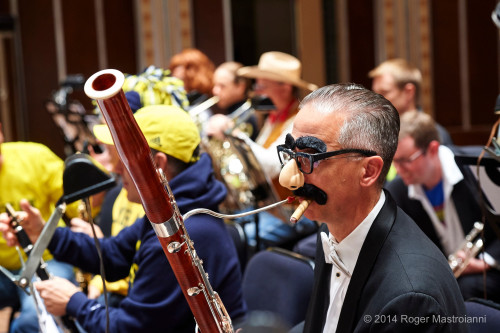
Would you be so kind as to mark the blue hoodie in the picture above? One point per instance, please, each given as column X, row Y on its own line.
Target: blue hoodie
column 155, row 302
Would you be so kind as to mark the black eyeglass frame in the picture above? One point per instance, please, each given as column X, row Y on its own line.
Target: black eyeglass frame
column 313, row 158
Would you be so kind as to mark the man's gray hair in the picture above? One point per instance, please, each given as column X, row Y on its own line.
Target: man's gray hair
column 371, row 121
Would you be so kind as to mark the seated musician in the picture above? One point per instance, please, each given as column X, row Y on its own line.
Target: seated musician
column 233, row 92
column 116, row 211
column 442, row 197
column 196, row 70
column 278, row 77
column 376, row 271
column 33, row 172
column 155, row 302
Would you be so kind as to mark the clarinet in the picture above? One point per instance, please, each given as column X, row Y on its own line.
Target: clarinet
column 41, row 271
column 159, row 204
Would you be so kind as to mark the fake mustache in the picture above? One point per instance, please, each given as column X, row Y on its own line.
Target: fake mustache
column 312, row 192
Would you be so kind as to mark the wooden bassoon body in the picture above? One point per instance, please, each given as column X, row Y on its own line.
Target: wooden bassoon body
column 159, row 203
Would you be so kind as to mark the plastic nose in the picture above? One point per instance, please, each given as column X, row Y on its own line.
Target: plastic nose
column 290, row 176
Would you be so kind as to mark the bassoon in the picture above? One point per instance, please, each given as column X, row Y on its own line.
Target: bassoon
column 159, row 203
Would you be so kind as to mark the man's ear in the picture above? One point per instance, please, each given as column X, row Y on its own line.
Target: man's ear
column 161, row 160
column 410, row 89
column 371, row 169
column 433, row 148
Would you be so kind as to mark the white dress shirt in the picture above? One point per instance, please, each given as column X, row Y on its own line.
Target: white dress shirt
column 450, row 233
column 347, row 252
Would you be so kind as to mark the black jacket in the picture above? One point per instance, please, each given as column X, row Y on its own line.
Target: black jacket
column 401, row 283
column 465, row 197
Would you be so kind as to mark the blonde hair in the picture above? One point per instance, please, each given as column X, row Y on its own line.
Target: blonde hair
column 402, row 71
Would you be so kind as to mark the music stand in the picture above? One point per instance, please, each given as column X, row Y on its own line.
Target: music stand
column 489, row 181
column 82, row 177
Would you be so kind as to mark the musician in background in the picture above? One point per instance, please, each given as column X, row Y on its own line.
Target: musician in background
column 374, row 261
column 401, row 83
column 277, row 76
column 233, row 92
column 442, row 197
column 155, row 302
column 196, row 70
column 116, row 213
column 33, row 172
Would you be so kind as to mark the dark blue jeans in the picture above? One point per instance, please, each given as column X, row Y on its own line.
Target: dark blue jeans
column 8, row 293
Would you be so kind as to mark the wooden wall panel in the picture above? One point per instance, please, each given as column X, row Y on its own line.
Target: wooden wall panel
column 42, row 66
column 261, row 26
column 80, row 37
column 9, row 102
column 40, row 71
column 361, row 41
column 483, row 62
column 209, row 29
column 120, row 30
column 244, row 35
column 445, row 49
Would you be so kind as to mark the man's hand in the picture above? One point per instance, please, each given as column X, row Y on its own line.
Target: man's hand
column 474, row 266
column 93, row 292
column 31, row 221
column 217, row 125
column 79, row 225
column 56, row 294
column 7, row 231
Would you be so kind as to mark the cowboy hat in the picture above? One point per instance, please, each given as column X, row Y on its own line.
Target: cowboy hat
column 277, row 66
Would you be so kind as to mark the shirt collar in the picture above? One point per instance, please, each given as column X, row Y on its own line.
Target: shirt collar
column 451, row 171
column 348, row 249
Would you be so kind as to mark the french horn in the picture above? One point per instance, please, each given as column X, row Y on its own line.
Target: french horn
column 237, row 167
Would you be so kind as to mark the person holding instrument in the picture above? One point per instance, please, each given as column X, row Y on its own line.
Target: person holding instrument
column 155, row 302
column 23, row 176
column 374, row 261
column 233, row 92
column 278, row 77
column 442, row 196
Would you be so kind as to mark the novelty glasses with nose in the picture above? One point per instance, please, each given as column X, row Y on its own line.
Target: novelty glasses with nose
column 306, row 162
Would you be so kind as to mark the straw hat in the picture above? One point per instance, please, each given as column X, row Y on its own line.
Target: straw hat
column 277, row 66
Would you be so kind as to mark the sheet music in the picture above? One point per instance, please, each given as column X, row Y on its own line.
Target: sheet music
column 491, row 190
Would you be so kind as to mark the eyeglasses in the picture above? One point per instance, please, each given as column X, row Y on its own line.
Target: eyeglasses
column 409, row 160
column 306, row 162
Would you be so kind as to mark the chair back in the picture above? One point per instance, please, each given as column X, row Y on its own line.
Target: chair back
column 237, row 233
column 279, row 281
column 484, row 315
